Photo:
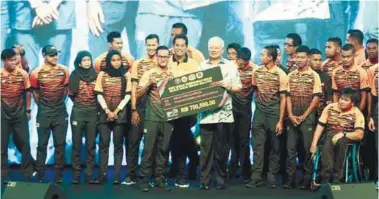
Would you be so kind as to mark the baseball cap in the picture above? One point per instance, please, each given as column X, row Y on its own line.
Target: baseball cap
column 49, row 50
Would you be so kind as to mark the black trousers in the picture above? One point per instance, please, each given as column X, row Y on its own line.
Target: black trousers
column 105, row 139
column 333, row 157
column 374, row 115
column 156, row 149
column 20, row 132
column 58, row 126
column 302, row 134
column 134, row 139
column 264, row 128
column 214, row 148
column 183, row 145
column 89, row 130
column 239, row 142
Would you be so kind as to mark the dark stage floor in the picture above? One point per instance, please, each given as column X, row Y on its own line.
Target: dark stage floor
column 109, row 191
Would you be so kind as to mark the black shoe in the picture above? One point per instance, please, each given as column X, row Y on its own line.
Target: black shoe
column 144, row 186
column 287, row 185
column 101, row 179
column 204, row 187
column 117, row 180
column 272, row 186
column 40, row 180
column 254, row 184
column 181, row 183
column 58, row 179
column 129, row 181
column 152, row 183
column 76, row 181
column 58, row 176
column 162, row 184
column 246, row 180
column 89, row 180
column 29, row 173
column 305, row 185
column 40, row 177
column 221, row 187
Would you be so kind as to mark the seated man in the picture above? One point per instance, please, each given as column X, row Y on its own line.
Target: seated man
column 344, row 123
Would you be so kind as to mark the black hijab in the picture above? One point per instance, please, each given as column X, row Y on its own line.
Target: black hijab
column 115, row 72
column 80, row 73
column 109, row 68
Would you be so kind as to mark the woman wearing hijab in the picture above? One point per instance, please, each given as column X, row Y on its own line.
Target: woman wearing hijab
column 84, row 113
column 113, row 89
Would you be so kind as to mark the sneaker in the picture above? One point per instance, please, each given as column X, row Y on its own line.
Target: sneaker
column 204, row 187
column 58, row 179
column 75, row 181
column 287, row 185
column 306, row 184
column 144, row 186
column 116, row 179
column 129, row 181
column 89, row 180
column 29, row 176
column 220, row 186
column 40, row 180
column 101, row 179
column 40, row 177
column 272, row 186
column 246, row 181
column 162, row 184
column 181, row 183
column 254, row 184
column 152, row 183
column 58, row 176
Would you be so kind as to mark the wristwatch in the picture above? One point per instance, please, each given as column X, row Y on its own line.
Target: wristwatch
column 28, row 110
column 133, row 110
column 107, row 111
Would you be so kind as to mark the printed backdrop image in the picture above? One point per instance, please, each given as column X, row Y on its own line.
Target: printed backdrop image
column 82, row 25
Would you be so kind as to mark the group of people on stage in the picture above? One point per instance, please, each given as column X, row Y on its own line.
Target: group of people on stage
column 297, row 103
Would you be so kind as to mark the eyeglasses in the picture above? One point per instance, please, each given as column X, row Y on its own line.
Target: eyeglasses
column 163, row 57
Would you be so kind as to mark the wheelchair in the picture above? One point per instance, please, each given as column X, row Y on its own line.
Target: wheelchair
column 354, row 169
